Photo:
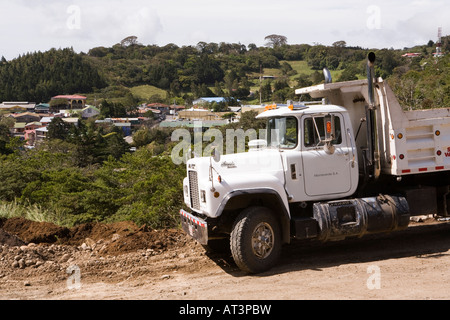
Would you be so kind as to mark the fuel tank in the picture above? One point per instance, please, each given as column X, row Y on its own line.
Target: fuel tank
column 341, row 219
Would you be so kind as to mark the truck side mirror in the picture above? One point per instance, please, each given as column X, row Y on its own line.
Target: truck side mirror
column 217, row 155
column 330, row 133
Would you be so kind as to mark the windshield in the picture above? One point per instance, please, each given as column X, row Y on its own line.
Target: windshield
column 282, row 132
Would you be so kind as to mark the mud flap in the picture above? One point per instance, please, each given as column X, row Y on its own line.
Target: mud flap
column 195, row 227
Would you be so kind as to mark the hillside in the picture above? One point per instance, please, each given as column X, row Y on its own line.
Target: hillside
column 130, row 73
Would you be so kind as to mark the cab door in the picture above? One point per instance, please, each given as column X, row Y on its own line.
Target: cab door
column 326, row 172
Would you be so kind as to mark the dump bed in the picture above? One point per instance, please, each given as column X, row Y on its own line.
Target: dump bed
column 408, row 142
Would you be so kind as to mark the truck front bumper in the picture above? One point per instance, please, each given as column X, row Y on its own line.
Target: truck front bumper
column 195, row 227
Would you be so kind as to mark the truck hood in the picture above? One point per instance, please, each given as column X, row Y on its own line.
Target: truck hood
column 241, row 165
column 256, row 162
column 253, row 170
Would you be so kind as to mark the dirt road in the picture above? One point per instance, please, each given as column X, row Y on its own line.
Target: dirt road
column 127, row 263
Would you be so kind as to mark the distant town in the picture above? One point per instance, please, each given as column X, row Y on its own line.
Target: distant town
column 32, row 119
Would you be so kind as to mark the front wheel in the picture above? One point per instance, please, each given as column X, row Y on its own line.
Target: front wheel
column 256, row 240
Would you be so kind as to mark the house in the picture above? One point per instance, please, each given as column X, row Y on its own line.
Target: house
column 73, row 121
column 143, row 111
column 42, row 108
column 198, row 114
column 90, row 112
column 191, row 124
column 175, row 109
column 41, row 134
column 18, row 130
column 411, row 55
column 46, row 120
column 17, row 106
column 164, row 108
column 258, row 108
column 26, row 117
column 207, row 100
column 125, row 126
column 72, row 101
column 69, row 113
column 30, row 132
column 134, row 122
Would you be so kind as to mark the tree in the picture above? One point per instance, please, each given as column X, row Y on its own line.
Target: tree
column 142, row 137
column 316, row 57
column 129, row 41
column 275, row 40
column 340, row 44
column 349, row 73
column 248, row 121
column 58, row 129
column 112, row 110
column 303, row 80
column 266, row 91
column 4, row 138
column 287, row 70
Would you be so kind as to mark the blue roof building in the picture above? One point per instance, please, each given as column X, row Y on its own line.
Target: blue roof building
column 205, row 100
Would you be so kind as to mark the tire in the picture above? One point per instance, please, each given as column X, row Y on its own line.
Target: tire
column 255, row 240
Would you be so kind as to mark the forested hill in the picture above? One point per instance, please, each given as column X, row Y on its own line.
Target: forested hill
column 39, row 76
column 219, row 69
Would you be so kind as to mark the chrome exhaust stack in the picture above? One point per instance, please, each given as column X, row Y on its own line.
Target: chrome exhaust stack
column 372, row 157
column 370, row 78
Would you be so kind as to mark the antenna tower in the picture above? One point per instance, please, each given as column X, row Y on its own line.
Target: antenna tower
column 439, row 43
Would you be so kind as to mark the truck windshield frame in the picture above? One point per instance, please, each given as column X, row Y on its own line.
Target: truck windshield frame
column 283, row 132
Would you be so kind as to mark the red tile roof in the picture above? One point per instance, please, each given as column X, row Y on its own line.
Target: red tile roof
column 70, row 97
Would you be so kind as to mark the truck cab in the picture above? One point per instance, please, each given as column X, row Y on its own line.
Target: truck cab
column 317, row 148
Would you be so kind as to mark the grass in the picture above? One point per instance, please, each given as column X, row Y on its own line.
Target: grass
column 302, row 67
column 32, row 212
column 145, row 92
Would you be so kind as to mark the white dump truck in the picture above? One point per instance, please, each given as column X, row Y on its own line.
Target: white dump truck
column 353, row 164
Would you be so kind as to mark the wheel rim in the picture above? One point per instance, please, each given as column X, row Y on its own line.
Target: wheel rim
column 262, row 240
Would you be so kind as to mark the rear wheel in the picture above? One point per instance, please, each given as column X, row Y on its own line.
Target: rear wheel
column 255, row 240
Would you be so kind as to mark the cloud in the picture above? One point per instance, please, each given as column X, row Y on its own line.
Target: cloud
column 42, row 24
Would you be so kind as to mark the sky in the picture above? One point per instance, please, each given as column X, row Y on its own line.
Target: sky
column 39, row 25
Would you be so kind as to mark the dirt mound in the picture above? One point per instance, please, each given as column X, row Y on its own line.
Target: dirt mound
column 34, row 232
column 114, row 239
column 9, row 239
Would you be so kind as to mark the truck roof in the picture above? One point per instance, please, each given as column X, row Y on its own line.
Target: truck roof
column 295, row 110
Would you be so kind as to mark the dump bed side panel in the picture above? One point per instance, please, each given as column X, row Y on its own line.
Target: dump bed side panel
column 419, row 141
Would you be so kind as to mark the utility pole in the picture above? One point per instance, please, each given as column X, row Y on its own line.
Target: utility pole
column 260, row 83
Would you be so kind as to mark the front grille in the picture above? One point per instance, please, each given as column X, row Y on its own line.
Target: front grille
column 193, row 188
